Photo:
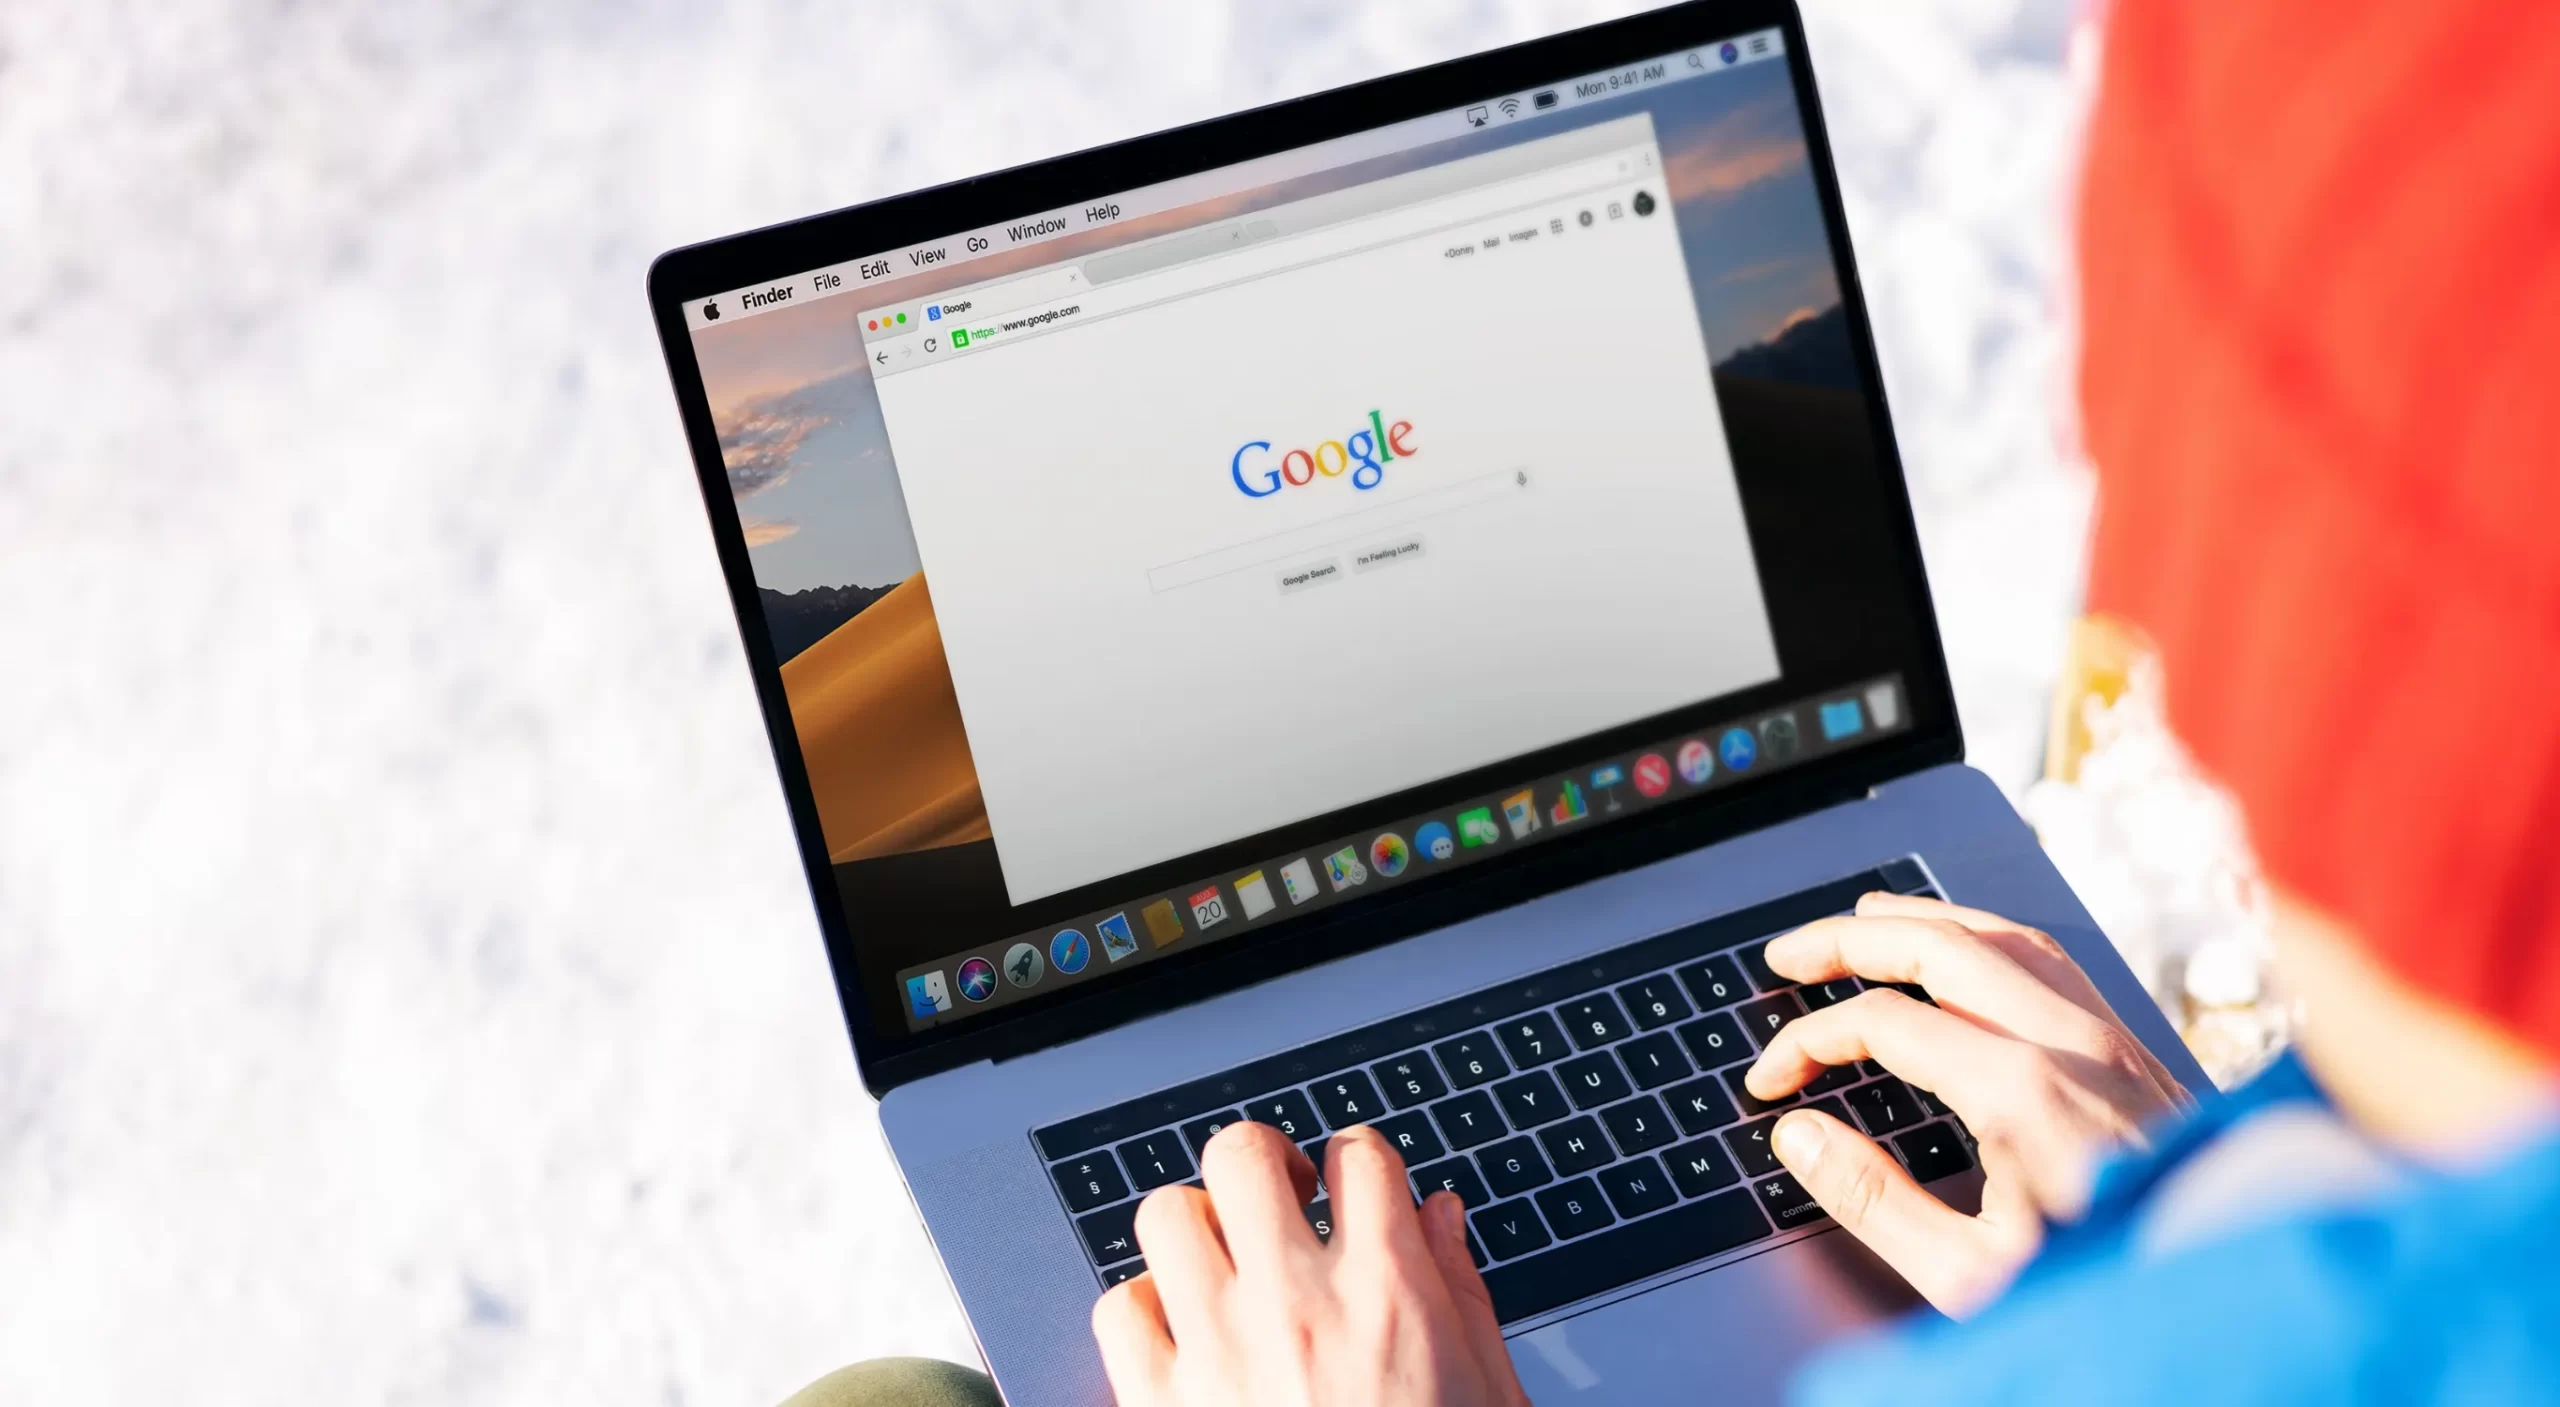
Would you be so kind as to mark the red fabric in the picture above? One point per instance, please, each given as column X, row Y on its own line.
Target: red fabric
column 2320, row 245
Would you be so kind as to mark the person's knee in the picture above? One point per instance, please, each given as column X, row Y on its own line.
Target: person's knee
column 899, row 1382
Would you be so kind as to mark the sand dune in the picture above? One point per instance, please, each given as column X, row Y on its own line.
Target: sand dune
column 880, row 731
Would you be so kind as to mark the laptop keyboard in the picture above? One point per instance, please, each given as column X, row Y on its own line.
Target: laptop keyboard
column 1591, row 1116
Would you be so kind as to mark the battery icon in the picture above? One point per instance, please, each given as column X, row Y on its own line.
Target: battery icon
column 1544, row 100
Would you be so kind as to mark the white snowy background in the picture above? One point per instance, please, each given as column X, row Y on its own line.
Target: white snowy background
column 408, row 992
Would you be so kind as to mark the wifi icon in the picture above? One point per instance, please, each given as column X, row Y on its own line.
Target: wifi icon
column 1510, row 107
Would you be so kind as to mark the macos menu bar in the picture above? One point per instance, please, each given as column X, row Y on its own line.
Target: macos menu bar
column 953, row 251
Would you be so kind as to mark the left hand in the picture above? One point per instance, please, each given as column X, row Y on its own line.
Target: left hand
column 1242, row 1304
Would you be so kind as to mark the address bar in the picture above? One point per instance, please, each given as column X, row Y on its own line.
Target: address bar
column 1392, row 227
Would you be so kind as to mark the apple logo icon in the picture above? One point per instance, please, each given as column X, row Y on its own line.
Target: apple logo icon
column 711, row 311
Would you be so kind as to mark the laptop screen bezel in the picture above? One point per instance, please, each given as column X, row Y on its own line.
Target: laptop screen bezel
column 889, row 1058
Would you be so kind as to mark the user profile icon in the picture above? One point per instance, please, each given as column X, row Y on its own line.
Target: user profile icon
column 1585, row 218
column 1644, row 202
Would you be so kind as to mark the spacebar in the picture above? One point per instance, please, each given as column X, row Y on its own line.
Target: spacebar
column 1624, row 1255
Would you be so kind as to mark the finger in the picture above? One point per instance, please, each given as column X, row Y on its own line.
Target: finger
column 1942, row 1053
column 2039, row 953
column 1186, row 1256
column 2030, row 948
column 1954, row 964
column 1137, row 1348
column 1444, row 1232
column 1372, row 1202
column 1259, row 1182
column 1932, row 1245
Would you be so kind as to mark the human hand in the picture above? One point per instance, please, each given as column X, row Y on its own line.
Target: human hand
column 1241, row 1303
column 2020, row 1045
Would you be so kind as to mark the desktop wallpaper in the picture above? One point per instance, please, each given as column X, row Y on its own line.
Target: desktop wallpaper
column 845, row 599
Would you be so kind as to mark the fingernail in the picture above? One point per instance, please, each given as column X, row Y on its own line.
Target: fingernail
column 1797, row 1140
column 1452, row 1214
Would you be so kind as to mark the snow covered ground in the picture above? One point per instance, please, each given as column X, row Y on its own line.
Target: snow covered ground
column 407, row 989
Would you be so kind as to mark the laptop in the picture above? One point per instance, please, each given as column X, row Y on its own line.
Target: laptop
column 1366, row 611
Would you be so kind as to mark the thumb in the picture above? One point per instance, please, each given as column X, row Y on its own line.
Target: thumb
column 1941, row 1251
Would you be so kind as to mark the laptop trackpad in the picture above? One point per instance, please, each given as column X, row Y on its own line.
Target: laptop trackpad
column 1737, row 1332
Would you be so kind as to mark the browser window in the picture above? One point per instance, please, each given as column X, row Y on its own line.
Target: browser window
column 1280, row 529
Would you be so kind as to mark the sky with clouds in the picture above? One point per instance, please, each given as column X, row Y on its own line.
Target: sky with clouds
column 800, row 426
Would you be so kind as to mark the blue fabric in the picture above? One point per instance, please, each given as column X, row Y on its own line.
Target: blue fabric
column 2447, row 1294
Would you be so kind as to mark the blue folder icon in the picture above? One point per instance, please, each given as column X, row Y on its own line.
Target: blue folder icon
column 1842, row 720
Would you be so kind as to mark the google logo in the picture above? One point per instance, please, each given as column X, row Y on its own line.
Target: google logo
column 1372, row 449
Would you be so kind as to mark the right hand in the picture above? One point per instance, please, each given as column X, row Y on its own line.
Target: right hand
column 2020, row 1045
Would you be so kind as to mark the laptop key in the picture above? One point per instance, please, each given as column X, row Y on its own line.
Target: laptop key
column 1655, row 1060
column 1930, row 1105
column 1531, row 1099
column 1287, row 1111
column 1594, row 1020
column 1155, row 1159
column 1468, row 1119
column 1785, row 1200
column 1714, row 983
column 1412, row 1136
column 1198, row 1132
column 1638, row 1125
column 1715, row 1041
column 1933, row 1151
column 1475, row 1249
column 1347, row 1099
column 1701, row 1106
column 1457, row 1175
column 1110, row 1235
column 1764, row 1017
column 1623, row 1255
column 1831, row 993
column 1126, row 1270
column 1750, row 1145
column 1089, row 1181
column 1511, row 1229
column 1314, row 1149
column 1750, row 1103
column 1593, row 1080
column 1755, row 965
column 1513, row 1166
column 1471, row 1060
column 1637, row 1188
column 1575, row 1147
column 1574, row 1208
column 1533, row 1039
column 1884, row 1107
column 1700, row 1166
column 1838, row 1077
column 1654, row 1002
column 1409, row 1080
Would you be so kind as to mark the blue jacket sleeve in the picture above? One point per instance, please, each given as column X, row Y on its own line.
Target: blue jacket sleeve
column 2449, row 1293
